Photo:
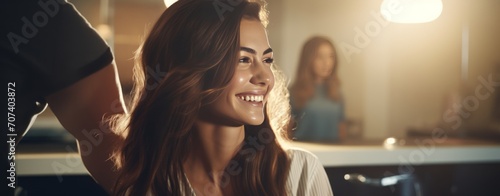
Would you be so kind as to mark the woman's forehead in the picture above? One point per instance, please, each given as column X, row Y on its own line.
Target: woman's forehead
column 253, row 35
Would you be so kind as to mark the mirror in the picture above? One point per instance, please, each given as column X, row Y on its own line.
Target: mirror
column 401, row 77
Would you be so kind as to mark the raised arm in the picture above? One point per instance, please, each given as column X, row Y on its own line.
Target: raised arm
column 81, row 109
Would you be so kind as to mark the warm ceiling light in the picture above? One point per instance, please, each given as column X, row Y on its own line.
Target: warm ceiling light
column 168, row 3
column 411, row 11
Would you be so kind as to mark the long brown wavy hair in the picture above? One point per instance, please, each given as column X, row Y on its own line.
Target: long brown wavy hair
column 186, row 61
column 303, row 88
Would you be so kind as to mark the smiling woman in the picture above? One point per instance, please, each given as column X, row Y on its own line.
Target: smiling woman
column 214, row 122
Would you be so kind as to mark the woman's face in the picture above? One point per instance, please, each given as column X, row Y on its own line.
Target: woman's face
column 243, row 101
column 323, row 63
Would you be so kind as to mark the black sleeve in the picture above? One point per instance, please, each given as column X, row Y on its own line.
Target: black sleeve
column 50, row 44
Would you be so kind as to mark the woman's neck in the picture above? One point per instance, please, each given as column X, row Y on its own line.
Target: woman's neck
column 213, row 147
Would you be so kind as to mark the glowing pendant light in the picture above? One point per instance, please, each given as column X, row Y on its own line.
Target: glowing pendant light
column 168, row 3
column 411, row 11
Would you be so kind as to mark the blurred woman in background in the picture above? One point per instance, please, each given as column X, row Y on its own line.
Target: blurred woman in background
column 316, row 99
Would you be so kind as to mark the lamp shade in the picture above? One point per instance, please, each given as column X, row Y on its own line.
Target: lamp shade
column 168, row 3
column 411, row 11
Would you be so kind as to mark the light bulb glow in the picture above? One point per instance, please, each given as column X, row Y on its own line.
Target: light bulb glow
column 411, row 11
column 168, row 3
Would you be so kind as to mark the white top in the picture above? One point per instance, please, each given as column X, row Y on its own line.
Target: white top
column 307, row 176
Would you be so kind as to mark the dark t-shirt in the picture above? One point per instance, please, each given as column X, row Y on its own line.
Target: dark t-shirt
column 45, row 46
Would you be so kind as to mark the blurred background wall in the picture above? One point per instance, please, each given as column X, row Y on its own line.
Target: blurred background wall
column 394, row 76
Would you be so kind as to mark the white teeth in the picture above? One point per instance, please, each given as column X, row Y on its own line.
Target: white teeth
column 252, row 98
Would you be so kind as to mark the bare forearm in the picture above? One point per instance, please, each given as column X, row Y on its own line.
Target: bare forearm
column 97, row 160
column 81, row 109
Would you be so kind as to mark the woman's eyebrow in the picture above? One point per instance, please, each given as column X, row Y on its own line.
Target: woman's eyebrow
column 252, row 51
column 269, row 50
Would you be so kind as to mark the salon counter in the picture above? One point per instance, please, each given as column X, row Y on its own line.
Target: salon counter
column 414, row 151
column 450, row 166
column 443, row 167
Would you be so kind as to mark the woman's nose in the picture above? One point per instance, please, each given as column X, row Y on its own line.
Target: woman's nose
column 262, row 74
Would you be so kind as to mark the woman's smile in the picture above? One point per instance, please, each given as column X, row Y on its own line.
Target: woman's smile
column 255, row 98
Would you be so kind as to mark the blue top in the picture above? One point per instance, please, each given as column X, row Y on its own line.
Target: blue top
column 320, row 118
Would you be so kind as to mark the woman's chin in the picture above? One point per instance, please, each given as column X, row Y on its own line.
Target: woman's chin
column 255, row 121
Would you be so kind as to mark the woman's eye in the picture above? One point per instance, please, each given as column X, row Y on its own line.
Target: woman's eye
column 245, row 60
column 269, row 60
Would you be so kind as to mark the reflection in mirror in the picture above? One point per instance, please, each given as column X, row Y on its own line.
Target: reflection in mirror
column 315, row 96
column 401, row 79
